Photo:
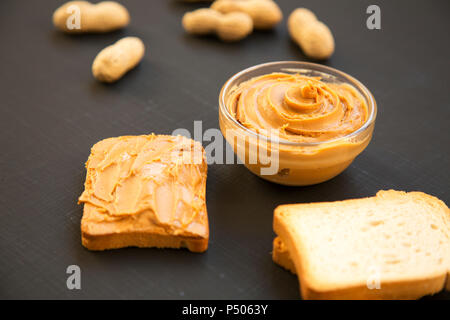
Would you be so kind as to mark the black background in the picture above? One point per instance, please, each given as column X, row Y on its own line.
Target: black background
column 52, row 111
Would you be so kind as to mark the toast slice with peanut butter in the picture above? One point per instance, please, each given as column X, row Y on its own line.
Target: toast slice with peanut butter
column 395, row 245
column 145, row 191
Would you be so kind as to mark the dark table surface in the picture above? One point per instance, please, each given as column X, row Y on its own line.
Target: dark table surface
column 52, row 111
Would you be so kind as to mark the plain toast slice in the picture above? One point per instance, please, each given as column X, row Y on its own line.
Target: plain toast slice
column 395, row 245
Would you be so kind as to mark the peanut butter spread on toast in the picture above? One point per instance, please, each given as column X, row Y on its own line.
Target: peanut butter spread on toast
column 147, row 182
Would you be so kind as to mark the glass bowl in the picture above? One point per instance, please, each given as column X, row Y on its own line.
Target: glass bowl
column 287, row 162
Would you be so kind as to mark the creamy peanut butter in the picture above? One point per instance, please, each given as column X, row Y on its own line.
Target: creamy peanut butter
column 150, row 181
column 299, row 108
column 309, row 121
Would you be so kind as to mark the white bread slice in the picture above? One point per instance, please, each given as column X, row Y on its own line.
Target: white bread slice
column 340, row 249
column 281, row 256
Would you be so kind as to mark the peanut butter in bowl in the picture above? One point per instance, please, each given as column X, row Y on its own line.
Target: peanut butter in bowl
column 296, row 123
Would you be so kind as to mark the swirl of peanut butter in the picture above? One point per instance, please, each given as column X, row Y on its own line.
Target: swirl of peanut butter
column 299, row 108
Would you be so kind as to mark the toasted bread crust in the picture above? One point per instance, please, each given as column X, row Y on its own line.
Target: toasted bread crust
column 447, row 286
column 280, row 255
column 142, row 240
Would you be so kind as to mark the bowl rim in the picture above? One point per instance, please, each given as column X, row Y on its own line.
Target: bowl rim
column 353, row 81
